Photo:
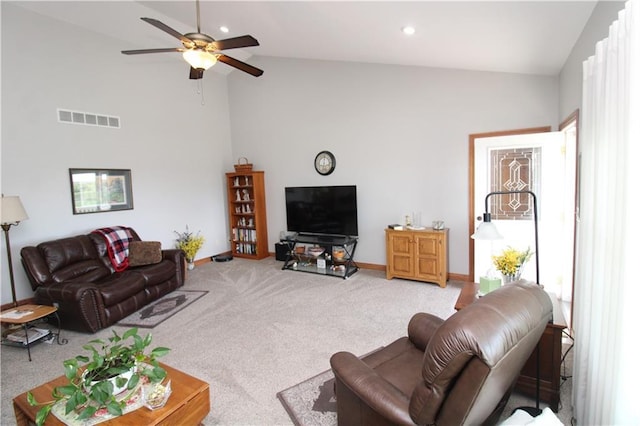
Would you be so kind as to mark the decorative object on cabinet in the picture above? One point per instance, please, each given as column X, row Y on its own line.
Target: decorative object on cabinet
column 420, row 255
column 243, row 166
column 488, row 231
column 12, row 213
column 510, row 263
column 189, row 244
column 100, row 190
column 247, row 214
column 325, row 163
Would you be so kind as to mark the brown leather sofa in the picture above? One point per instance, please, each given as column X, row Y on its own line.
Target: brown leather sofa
column 75, row 274
column 446, row 372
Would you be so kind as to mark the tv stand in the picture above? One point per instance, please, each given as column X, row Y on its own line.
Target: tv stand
column 300, row 259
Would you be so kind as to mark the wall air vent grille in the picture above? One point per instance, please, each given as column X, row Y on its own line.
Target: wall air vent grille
column 88, row 119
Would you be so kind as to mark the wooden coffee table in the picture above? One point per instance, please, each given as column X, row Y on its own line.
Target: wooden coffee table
column 187, row 405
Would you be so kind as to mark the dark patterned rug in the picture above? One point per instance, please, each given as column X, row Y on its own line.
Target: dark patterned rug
column 311, row 402
column 163, row 308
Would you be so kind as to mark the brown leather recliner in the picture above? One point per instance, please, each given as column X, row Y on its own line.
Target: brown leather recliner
column 446, row 372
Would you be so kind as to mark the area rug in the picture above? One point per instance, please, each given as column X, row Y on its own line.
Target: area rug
column 312, row 402
column 162, row 309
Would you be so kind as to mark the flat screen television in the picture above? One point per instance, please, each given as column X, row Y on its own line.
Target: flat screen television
column 331, row 210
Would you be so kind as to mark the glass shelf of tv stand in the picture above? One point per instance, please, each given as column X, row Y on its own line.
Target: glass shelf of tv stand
column 302, row 261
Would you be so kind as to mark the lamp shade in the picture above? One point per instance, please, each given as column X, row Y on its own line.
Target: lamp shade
column 199, row 59
column 11, row 210
column 487, row 231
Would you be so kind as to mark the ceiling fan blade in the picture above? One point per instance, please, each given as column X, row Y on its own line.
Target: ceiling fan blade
column 235, row 42
column 167, row 29
column 242, row 66
column 162, row 50
column 195, row 73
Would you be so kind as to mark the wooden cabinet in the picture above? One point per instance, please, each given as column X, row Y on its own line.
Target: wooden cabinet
column 420, row 255
column 247, row 215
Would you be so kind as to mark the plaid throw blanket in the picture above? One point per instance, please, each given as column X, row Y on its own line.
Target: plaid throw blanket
column 118, row 239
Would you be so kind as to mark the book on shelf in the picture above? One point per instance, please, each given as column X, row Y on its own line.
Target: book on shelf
column 396, row 227
column 34, row 334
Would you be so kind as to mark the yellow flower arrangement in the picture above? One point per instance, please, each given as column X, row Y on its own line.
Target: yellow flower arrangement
column 510, row 261
column 189, row 243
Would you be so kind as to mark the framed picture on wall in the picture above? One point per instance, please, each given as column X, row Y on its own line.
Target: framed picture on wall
column 100, row 190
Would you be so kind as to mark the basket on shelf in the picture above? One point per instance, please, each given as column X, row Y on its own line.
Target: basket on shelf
column 243, row 167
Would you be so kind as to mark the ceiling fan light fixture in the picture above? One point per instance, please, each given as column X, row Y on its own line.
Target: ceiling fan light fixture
column 199, row 59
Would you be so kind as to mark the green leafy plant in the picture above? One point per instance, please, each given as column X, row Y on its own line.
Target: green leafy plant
column 510, row 261
column 90, row 389
column 189, row 243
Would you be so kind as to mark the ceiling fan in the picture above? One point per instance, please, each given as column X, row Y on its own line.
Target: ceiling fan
column 200, row 50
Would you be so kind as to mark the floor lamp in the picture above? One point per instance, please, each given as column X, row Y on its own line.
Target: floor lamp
column 11, row 213
column 488, row 231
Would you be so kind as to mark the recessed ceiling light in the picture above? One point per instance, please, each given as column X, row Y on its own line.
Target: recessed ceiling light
column 224, row 29
column 408, row 30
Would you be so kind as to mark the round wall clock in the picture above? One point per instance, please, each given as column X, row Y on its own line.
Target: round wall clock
column 325, row 163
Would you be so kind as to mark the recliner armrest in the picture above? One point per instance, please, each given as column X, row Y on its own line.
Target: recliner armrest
column 177, row 257
column 421, row 327
column 371, row 388
column 174, row 255
column 80, row 305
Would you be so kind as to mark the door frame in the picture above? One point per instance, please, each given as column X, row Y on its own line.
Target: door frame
column 574, row 116
column 472, row 186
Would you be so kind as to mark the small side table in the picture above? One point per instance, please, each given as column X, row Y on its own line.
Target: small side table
column 26, row 314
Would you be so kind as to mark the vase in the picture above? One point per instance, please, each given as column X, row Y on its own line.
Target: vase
column 509, row 278
column 190, row 265
column 116, row 389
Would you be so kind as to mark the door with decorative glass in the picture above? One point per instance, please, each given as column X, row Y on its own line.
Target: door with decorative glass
column 544, row 164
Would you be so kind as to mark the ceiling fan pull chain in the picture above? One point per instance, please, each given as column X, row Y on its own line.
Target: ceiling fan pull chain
column 200, row 91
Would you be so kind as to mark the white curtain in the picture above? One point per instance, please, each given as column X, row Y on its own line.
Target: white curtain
column 607, row 300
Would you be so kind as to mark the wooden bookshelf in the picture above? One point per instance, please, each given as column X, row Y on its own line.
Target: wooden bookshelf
column 247, row 215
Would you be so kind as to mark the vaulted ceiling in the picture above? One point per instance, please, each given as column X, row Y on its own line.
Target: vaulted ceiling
column 531, row 37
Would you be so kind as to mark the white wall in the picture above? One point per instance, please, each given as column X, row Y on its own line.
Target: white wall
column 176, row 148
column 595, row 30
column 399, row 133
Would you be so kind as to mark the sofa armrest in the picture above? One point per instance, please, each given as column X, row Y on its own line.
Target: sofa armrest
column 80, row 305
column 421, row 327
column 35, row 266
column 369, row 388
column 176, row 256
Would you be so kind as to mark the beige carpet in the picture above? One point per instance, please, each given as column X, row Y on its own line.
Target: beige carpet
column 258, row 331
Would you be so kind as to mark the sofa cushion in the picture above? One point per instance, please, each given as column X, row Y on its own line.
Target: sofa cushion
column 144, row 253
column 73, row 259
column 156, row 274
column 120, row 286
